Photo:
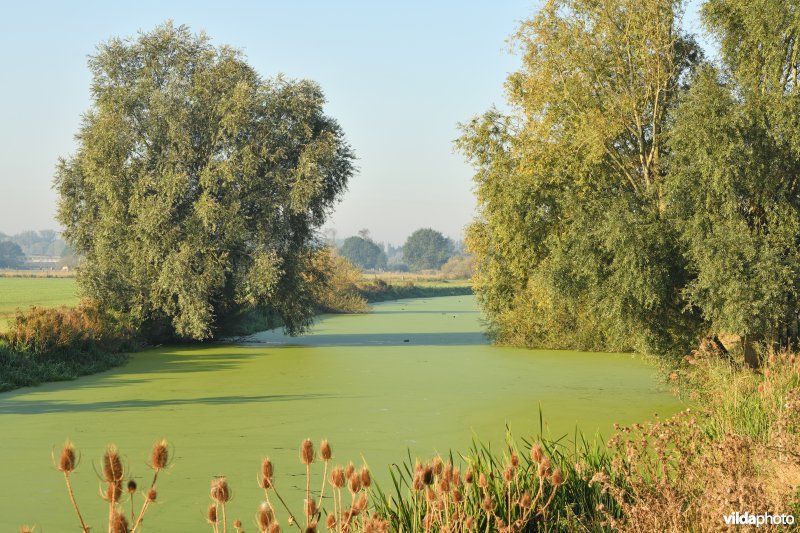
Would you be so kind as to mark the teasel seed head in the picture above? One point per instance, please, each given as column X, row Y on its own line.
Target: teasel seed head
column 366, row 478
column 67, row 462
column 444, row 485
column 482, row 481
column 113, row 492
column 307, row 452
column 337, row 477
column 312, row 528
column 212, row 514
column 311, row 507
column 514, row 460
column 331, row 521
column 119, row 524
column 131, row 486
column 557, row 477
column 456, row 478
column 438, row 466
column 361, row 503
column 469, row 476
column 448, row 472
column 220, row 491
column 355, row 483
column 348, row 471
column 275, row 528
column 160, row 455
column 418, row 484
column 152, row 495
column 536, row 453
column 25, row 529
column 469, row 523
column 525, row 501
column 430, row 496
column 508, row 474
column 488, row 504
column 112, row 465
column 427, row 475
column 264, row 516
column 325, row 450
column 458, row 497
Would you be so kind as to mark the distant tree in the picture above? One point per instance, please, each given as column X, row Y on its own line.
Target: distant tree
column 427, row 249
column 458, row 267
column 198, row 188
column 363, row 252
column 11, row 255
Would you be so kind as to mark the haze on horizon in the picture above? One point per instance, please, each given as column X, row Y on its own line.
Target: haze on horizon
column 398, row 79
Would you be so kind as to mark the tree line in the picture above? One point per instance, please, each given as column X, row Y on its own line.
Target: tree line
column 639, row 195
column 425, row 249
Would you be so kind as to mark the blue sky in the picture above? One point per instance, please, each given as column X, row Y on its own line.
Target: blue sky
column 398, row 77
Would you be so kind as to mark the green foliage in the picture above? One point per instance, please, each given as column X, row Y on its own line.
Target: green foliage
column 459, row 267
column 573, row 248
column 734, row 172
column 427, row 249
column 11, row 255
column 363, row 252
column 339, row 292
column 198, row 186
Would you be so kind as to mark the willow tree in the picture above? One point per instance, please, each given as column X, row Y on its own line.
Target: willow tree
column 573, row 244
column 735, row 173
column 198, row 186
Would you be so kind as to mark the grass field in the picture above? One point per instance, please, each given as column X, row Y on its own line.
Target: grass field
column 22, row 293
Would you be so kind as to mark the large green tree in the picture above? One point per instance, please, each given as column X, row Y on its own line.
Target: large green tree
column 11, row 255
column 427, row 249
column 573, row 245
column 735, row 173
column 198, row 186
column 363, row 252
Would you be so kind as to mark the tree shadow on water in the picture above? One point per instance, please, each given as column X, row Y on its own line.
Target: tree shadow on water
column 32, row 407
column 456, row 338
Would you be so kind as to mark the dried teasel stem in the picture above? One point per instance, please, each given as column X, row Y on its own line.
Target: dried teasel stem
column 113, row 474
column 307, row 457
column 325, row 453
column 158, row 461
column 66, row 464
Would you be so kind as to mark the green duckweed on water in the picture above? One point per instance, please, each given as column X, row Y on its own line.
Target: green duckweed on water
column 413, row 374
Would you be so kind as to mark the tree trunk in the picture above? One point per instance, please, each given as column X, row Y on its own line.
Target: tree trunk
column 750, row 355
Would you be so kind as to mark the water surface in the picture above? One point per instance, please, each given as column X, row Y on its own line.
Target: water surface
column 414, row 374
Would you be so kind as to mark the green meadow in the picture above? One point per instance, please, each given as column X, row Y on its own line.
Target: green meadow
column 21, row 293
column 414, row 375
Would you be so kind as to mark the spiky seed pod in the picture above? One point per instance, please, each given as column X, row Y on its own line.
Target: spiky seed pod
column 264, row 516
column 131, row 486
column 331, row 521
column 469, row 476
column 160, row 455
column 458, row 497
column 112, row 465
column 482, row 481
column 355, row 483
column 25, row 529
column 361, row 503
column 152, row 495
column 438, row 465
column 525, row 501
column 307, row 452
column 508, row 474
column 427, row 475
column 337, row 477
column 366, row 479
column 557, row 477
column 67, row 463
column 325, row 450
column 444, row 486
column 417, row 466
column 543, row 471
column 469, row 523
column 456, row 478
column 266, row 468
column 312, row 528
column 237, row 524
column 220, row 491
column 488, row 504
column 514, row 460
column 536, row 453
column 275, row 528
column 448, row 472
column 348, row 471
column 311, row 507
column 119, row 524
column 430, row 496
column 418, row 484
column 212, row 514
column 113, row 492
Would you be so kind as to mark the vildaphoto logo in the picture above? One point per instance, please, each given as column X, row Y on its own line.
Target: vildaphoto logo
column 758, row 520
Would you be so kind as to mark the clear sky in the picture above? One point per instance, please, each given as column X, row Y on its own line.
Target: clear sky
column 398, row 77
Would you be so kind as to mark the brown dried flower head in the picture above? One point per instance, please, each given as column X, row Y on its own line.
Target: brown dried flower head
column 482, row 481
column 349, row 470
column 119, row 524
column 112, row 465
column 536, row 453
column 438, row 465
column 366, row 479
column 307, row 452
column 160, row 455
column 212, row 514
column 558, row 477
column 325, row 450
column 427, row 475
column 338, row 477
column 131, row 486
column 264, row 516
column 469, row 476
column 67, row 462
column 152, row 495
column 331, row 521
column 220, row 491
column 355, row 483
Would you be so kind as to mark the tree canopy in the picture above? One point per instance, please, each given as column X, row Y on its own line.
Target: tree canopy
column 11, row 255
column 363, row 252
column 427, row 249
column 198, row 186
